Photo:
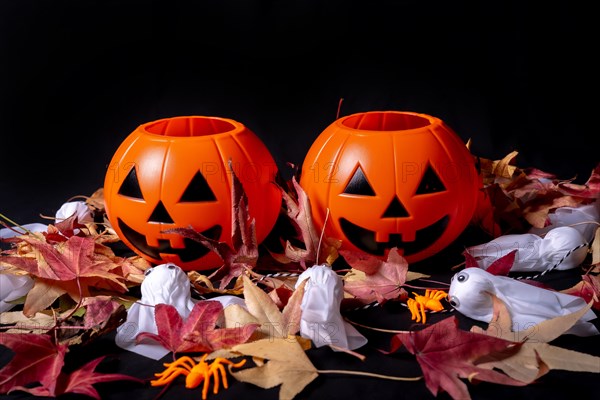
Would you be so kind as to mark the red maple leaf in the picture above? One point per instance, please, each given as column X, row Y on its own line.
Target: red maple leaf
column 244, row 253
column 447, row 353
column 198, row 333
column 37, row 359
column 383, row 280
column 70, row 267
column 80, row 381
column 500, row 266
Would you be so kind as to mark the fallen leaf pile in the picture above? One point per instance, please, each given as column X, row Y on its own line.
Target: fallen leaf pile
column 81, row 291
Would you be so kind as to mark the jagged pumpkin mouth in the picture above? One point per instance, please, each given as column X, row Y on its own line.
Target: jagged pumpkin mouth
column 364, row 238
column 193, row 250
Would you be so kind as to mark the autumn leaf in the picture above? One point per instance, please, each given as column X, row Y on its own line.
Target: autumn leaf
column 446, row 354
column 587, row 288
column 198, row 333
column 70, row 267
column 283, row 362
column 80, row 381
column 273, row 322
column 244, row 253
column 373, row 279
column 298, row 210
column 521, row 198
column 590, row 189
column 503, row 265
column 287, row 366
column 535, row 357
column 37, row 359
column 203, row 285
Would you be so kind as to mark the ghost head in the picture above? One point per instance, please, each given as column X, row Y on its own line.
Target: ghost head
column 162, row 284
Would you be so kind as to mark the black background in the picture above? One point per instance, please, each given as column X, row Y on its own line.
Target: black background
column 77, row 76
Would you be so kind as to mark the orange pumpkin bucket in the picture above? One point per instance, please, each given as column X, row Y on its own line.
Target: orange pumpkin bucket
column 391, row 179
column 174, row 173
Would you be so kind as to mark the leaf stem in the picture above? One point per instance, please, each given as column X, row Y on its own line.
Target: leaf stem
column 369, row 374
column 4, row 217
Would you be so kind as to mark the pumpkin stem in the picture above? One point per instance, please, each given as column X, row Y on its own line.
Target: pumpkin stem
column 339, row 108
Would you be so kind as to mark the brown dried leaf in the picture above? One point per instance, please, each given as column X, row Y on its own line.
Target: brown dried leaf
column 274, row 323
column 286, row 366
column 535, row 356
column 596, row 248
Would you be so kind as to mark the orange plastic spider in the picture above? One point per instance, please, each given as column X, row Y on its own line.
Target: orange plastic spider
column 430, row 301
column 196, row 373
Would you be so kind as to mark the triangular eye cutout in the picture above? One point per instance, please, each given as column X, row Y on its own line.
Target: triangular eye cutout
column 430, row 183
column 131, row 186
column 395, row 210
column 197, row 190
column 359, row 184
column 160, row 214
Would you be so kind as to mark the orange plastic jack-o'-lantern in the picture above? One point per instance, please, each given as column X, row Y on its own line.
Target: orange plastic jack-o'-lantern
column 391, row 179
column 175, row 173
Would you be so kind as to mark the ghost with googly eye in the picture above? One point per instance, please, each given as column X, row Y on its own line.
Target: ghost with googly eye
column 162, row 284
column 528, row 305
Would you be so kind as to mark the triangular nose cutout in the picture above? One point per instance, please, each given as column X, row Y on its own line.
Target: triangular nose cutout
column 395, row 210
column 160, row 214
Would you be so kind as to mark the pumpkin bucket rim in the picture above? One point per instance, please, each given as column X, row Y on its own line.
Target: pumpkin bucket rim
column 192, row 126
column 387, row 121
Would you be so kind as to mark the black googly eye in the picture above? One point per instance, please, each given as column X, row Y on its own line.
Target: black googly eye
column 171, row 266
column 462, row 277
column 454, row 301
column 147, row 272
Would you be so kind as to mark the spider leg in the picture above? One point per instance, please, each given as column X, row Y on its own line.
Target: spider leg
column 221, row 369
column 422, row 309
column 206, row 384
column 168, row 375
column 412, row 308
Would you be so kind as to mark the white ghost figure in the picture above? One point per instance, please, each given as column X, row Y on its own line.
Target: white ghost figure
column 560, row 248
column 84, row 216
column 80, row 208
column 321, row 319
column 162, row 284
column 11, row 288
column 7, row 233
column 583, row 218
column 528, row 305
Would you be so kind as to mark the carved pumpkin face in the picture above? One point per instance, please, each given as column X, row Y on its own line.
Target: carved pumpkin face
column 391, row 179
column 174, row 173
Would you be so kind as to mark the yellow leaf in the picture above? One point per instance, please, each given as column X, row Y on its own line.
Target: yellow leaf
column 596, row 248
column 287, row 366
column 262, row 307
column 535, row 356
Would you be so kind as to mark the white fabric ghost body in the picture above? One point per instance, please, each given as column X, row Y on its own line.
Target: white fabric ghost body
column 163, row 284
column 583, row 218
column 561, row 248
column 11, row 288
column 80, row 208
column 321, row 319
column 528, row 305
